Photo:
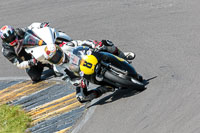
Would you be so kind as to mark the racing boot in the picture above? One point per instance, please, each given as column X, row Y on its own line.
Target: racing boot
column 125, row 55
column 86, row 96
column 83, row 95
column 108, row 46
column 129, row 55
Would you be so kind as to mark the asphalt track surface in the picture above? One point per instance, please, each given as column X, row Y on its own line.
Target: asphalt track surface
column 164, row 34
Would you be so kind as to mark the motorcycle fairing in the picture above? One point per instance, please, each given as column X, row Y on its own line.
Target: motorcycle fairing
column 46, row 34
column 62, row 35
column 119, row 63
column 88, row 64
column 31, row 40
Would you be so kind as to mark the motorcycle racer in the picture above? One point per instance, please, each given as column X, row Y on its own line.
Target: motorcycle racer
column 12, row 49
column 103, row 45
column 67, row 63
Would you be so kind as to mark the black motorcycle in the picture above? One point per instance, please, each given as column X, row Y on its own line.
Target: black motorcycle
column 103, row 68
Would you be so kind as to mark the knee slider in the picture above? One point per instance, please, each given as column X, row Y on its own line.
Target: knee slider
column 34, row 78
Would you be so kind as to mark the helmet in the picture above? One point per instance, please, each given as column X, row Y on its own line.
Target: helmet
column 8, row 35
column 55, row 55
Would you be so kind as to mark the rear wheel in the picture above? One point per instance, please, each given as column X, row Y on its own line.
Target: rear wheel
column 120, row 80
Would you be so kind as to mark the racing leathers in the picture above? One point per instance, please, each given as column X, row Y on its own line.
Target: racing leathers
column 20, row 58
column 72, row 69
column 82, row 92
column 103, row 45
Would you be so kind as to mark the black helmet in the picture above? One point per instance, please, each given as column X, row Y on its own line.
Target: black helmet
column 8, row 35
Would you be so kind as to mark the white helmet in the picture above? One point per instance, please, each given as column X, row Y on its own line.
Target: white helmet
column 55, row 55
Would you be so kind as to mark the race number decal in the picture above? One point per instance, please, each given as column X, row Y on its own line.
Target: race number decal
column 88, row 63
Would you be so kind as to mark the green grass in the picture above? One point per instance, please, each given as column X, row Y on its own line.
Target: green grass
column 13, row 119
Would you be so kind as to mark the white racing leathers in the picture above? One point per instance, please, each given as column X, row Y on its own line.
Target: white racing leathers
column 104, row 45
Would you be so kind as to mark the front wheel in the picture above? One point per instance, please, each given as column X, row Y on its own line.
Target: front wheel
column 120, row 80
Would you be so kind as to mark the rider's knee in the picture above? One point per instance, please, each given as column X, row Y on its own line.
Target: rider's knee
column 35, row 78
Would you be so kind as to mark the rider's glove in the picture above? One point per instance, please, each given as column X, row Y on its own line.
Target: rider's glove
column 32, row 62
column 22, row 65
column 100, row 47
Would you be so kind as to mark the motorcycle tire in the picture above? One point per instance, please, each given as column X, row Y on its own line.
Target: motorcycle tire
column 123, row 81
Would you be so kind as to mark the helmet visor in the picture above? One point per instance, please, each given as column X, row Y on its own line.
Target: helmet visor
column 14, row 42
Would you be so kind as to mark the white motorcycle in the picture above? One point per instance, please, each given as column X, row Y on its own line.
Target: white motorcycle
column 37, row 39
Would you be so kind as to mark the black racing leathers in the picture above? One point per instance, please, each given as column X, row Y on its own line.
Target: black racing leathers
column 17, row 55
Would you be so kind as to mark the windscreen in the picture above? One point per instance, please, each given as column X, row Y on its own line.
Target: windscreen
column 30, row 40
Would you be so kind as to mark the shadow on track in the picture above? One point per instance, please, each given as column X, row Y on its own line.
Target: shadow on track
column 121, row 93
column 46, row 75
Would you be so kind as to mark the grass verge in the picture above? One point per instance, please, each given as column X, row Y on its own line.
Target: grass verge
column 13, row 119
